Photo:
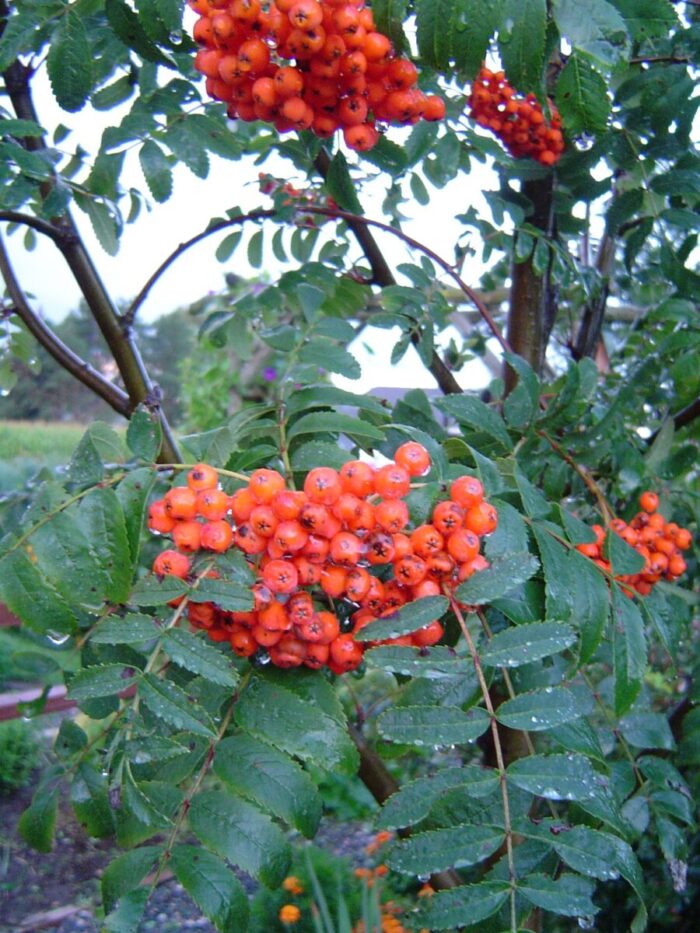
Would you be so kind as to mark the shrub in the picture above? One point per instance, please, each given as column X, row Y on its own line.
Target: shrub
column 19, row 755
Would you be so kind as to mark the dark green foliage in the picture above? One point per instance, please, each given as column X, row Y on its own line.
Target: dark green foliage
column 19, row 755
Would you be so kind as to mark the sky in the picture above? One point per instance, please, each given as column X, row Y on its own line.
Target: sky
column 161, row 227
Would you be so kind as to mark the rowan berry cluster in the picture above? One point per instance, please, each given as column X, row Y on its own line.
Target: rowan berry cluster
column 518, row 121
column 318, row 65
column 343, row 542
column 659, row 542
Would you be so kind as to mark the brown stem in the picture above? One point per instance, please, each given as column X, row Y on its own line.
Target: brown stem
column 605, row 510
column 532, row 301
column 382, row 784
column 682, row 418
column 498, row 749
column 63, row 354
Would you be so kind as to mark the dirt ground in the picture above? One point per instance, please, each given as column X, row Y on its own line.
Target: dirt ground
column 59, row 892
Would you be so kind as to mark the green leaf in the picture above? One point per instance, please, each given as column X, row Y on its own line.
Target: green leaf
column 132, row 629
column 559, row 582
column 320, row 422
column 319, row 453
column 64, row 557
column 157, row 591
column 144, row 434
column 28, row 596
column 556, row 777
column 212, row 886
column 126, row 917
column 623, row 558
column 435, row 726
column 69, row 62
column 101, row 518
column 100, row 680
column 523, row 644
column 647, row 730
column 239, row 832
column 169, row 702
column 255, row 249
column 438, row 849
column 327, row 396
column 476, row 24
column 329, row 357
column 592, row 602
column 196, row 654
column 339, row 185
column 434, row 663
column 88, row 796
column 541, row 709
column 521, row 42
column 648, row 19
column 126, row 873
column 504, row 574
column 158, row 174
column 439, row 24
column 275, row 715
column 471, row 411
column 570, row 895
column 511, row 534
column 407, row 619
column 413, row 801
column 594, row 29
column 271, row 779
column 629, row 650
column 581, row 97
column 231, row 595
column 38, row 822
column 389, row 16
column 133, row 492
column 103, row 221
column 448, row 910
column 129, row 29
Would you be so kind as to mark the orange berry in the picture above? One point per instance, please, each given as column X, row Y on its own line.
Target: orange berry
column 187, row 536
column 158, row 518
column 181, row 503
column 413, row 457
column 171, row 563
column 202, row 476
column 217, row 536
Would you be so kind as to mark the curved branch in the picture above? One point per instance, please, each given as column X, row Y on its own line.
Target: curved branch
column 130, row 313
column 63, row 354
column 137, row 382
column 349, row 218
column 36, row 223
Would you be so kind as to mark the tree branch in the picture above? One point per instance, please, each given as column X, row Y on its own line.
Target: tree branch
column 137, row 382
column 63, row 354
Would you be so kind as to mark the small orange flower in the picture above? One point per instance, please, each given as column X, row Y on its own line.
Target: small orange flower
column 382, row 837
column 363, row 872
column 292, row 885
column 289, row 914
column 426, row 891
column 381, row 870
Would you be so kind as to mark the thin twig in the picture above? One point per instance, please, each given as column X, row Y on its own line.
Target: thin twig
column 347, row 216
column 581, row 471
column 507, row 824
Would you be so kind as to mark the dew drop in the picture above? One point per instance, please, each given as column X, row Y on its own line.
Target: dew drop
column 423, row 878
column 586, row 923
column 57, row 638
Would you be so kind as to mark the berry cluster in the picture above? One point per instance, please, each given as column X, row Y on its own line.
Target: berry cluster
column 342, row 543
column 308, row 65
column 518, row 121
column 659, row 542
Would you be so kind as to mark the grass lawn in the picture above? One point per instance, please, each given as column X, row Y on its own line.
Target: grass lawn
column 27, row 446
column 49, row 442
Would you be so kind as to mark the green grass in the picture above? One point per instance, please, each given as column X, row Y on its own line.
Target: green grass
column 50, row 443
column 27, row 446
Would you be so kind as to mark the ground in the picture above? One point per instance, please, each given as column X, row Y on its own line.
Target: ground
column 59, row 892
